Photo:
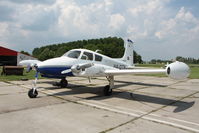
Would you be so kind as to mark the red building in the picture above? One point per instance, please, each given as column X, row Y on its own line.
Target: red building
column 11, row 57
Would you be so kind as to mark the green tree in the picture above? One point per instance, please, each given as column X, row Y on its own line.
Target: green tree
column 137, row 58
column 46, row 54
column 24, row 52
column 110, row 46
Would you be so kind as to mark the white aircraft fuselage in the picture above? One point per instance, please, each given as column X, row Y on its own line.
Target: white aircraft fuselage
column 52, row 68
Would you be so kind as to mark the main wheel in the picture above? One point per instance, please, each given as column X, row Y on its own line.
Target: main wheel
column 107, row 90
column 63, row 83
column 32, row 93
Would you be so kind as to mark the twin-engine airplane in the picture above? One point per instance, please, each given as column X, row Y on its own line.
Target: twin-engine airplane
column 86, row 63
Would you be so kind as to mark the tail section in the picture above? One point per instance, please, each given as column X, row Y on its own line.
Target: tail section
column 128, row 54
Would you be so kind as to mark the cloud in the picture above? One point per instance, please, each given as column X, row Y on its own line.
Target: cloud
column 3, row 31
column 182, row 25
column 147, row 7
column 88, row 21
column 6, row 13
column 116, row 20
column 38, row 21
column 26, row 24
column 31, row 1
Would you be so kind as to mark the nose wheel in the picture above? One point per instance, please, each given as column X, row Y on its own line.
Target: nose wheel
column 32, row 93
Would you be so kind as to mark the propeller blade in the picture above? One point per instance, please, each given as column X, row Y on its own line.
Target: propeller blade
column 28, row 68
column 86, row 65
column 77, row 68
column 66, row 71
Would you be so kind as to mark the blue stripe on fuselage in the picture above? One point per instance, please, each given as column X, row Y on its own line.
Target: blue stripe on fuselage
column 54, row 72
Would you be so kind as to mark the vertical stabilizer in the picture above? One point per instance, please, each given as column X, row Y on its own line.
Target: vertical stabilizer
column 128, row 54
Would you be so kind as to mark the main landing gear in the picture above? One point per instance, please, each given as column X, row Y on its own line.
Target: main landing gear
column 63, row 83
column 108, row 88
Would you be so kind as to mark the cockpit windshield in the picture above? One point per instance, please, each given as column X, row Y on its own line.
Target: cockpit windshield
column 73, row 54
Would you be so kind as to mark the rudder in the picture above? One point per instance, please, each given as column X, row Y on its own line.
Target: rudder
column 128, row 54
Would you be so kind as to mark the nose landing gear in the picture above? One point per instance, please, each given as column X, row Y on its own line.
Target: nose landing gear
column 32, row 93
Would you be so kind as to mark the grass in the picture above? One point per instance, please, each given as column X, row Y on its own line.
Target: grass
column 31, row 75
column 150, row 65
column 194, row 72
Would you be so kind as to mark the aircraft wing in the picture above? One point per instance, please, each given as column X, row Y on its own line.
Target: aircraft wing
column 29, row 62
column 175, row 70
column 134, row 71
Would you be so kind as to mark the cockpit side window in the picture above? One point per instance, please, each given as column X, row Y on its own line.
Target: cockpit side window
column 98, row 58
column 87, row 56
column 73, row 54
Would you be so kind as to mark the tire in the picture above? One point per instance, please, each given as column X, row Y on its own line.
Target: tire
column 31, row 94
column 107, row 90
column 63, row 83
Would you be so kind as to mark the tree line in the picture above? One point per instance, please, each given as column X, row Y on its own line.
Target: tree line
column 159, row 61
column 187, row 60
column 110, row 46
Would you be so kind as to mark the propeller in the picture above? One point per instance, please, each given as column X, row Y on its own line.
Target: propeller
column 28, row 69
column 77, row 68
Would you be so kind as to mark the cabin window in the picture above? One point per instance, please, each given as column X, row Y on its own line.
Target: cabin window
column 73, row 54
column 98, row 58
column 87, row 56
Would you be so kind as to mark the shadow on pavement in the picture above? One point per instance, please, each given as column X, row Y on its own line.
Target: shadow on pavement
column 98, row 91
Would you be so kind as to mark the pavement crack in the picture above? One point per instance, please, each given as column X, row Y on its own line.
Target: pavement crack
column 146, row 114
column 23, row 109
column 120, row 125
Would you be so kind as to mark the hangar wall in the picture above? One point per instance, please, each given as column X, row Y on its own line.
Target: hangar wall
column 21, row 57
column 12, row 58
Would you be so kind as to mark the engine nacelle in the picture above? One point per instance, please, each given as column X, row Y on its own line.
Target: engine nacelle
column 79, row 68
column 94, row 71
column 178, row 70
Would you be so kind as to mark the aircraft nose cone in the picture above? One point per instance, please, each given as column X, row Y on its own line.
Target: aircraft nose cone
column 51, row 67
column 39, row 65
column 48, row 63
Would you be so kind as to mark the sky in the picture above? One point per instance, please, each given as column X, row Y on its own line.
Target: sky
column 160, row 29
